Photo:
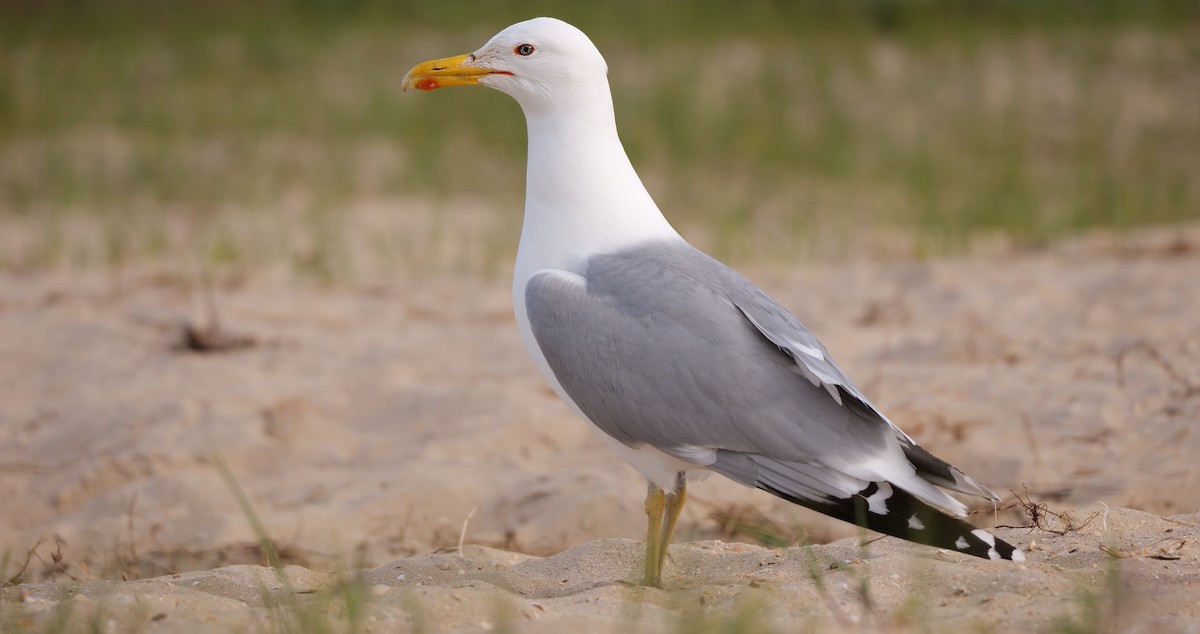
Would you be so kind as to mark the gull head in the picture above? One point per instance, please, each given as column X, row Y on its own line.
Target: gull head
column 543, row 63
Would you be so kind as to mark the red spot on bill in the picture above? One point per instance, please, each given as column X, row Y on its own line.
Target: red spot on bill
column 429, row 83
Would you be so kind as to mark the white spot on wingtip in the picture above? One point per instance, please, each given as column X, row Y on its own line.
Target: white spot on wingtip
column 985, row 536
column 1018, row 555
column 961, row 544
column 877, row 503
column 915, row 523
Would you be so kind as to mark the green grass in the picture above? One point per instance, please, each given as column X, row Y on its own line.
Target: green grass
column 250, row 133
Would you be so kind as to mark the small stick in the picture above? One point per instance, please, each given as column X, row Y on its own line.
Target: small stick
column 133, row 556
column 1187, row 388
column 29, row 554
column 463, row 535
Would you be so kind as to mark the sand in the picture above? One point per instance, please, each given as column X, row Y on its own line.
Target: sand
column 1126, row 571
column 366, row 423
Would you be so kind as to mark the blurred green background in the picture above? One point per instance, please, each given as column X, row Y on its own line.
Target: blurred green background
column 273, row 133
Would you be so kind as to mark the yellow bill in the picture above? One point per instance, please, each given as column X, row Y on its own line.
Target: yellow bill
column 449, row 71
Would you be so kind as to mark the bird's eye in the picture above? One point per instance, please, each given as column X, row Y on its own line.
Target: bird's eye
column 524, row 50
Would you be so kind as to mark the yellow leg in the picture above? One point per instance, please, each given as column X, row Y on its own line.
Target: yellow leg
column 674, row 506
column 655, row 502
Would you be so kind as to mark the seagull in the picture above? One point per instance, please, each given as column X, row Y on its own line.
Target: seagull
column 684, row 366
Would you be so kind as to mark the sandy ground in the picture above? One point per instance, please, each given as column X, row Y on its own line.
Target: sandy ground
column 1125, row 572
column 367, row 424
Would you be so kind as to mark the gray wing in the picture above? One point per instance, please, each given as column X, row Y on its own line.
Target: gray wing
column 818, row 366
column 662, row 345
column 653, row 349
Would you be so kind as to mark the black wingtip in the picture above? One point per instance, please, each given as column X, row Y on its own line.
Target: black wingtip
column 886, row 509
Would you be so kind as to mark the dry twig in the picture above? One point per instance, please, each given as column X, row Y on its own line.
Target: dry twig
column 1042, row 518
column 15, row 579
column 1185, row 387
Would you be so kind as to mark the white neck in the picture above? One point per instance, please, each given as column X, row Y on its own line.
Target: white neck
column 582, row 195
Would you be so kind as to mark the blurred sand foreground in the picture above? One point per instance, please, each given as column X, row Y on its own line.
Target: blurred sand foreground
column 367, row 424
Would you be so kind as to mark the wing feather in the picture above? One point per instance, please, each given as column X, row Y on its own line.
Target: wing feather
column 662, row 345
